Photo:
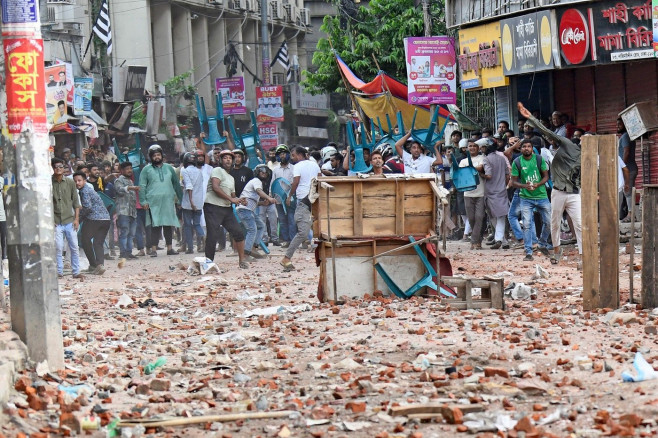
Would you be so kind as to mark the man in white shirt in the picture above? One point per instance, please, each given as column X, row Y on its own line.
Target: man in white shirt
column 304, row 172
column 193, row 198
column 414, row 160
column 252, row 222
column 474, row 199
column 287, row 227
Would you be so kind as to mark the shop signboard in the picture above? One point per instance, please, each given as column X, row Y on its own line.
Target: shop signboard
column 606, row 32
column 480, row 60
column 654, row 3
column 431, row 70
column 527, row 43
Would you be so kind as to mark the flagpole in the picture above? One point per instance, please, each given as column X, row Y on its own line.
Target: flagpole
column 91, row 37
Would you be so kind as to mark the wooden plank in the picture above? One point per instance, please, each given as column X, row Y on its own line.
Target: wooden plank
column 358, row 209
column 399, row 209
column 461, row 305
column 469, row 294
column 649, row 247
column 590, row 213
column 609, row 222
column 497, row 293
column 323, row 274
column 433, row 408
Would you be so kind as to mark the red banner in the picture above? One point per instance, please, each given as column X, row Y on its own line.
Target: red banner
column 270, row 104
column 26, row 87
column 269, row 135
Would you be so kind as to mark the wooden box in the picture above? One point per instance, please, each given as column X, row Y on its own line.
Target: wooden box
column 640, row 118
column 356, row 276
column 375, row 207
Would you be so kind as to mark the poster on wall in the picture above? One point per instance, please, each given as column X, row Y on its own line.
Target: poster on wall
column 57, row 93
column 232, row 91
column 25, row 87
column 431, row 70
column 269, row 135
column 270, row 104
column 83, row 88
column 654, row 4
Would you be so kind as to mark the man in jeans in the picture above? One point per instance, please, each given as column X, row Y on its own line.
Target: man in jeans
column 287, row 227
column 66, row 213
column 193, row 199
column 303, row 174
column 531, row 179
column 252, row 193
column 126, row 204
column 627, row 155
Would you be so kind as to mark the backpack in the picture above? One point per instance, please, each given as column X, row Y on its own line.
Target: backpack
column 540, row 159
column 464, row 179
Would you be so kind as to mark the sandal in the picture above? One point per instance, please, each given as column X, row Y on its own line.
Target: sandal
column 287, row 267
column 555, row 259
column 243, row 265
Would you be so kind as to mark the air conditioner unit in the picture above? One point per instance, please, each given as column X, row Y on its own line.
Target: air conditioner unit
column 224, row 3
column 305, row 16
column 291, row 13
column 238, row 5
column 253, row 5
column 277, row 10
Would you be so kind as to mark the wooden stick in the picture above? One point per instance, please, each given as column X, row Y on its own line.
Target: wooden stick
column 204, row 419
column 632, row 243
column 408, row 245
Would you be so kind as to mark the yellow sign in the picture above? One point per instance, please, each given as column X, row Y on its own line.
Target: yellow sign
column 480, row 58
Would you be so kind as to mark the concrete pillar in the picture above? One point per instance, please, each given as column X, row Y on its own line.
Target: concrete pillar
column 163, row 46
column 182, row 38
column 35, row 311
column 217, row 46
column 132, row 39
column 251, row 58
column 201, row 55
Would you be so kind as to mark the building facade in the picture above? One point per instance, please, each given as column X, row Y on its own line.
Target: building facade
column 590, row 60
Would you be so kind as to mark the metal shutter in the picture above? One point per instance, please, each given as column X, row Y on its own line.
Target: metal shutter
column 610, row 97
column 563, row 93
column 584, row 97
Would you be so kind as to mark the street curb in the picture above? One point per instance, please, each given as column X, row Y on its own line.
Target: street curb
column 13, row 358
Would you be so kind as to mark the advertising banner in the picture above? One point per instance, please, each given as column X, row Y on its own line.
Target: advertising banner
column 57, row 93
column 431, row 70
column 654, row 3
column 480, row 64
column 83, row 88
column 527, row 43
column 20, row 17
column 269, row 135
column 270, row 104
column 26, row 91
column 606, row 32
column 232, row 91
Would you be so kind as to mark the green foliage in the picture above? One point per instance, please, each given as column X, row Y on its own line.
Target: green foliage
column 138, row 116
column 178, row 85
column 376, row 30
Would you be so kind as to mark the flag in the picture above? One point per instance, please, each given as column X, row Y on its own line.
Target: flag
column 102, row 26
column 282, row 58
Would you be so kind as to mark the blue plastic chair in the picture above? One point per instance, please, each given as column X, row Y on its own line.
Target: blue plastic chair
column 213, row 137
column 425, row 281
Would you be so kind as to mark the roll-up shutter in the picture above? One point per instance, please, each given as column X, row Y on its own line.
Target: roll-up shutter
column 610, row 97
column 563, row 92
column 584, row 97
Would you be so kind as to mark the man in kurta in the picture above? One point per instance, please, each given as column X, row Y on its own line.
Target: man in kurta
column 495, row 172
column 159, row 192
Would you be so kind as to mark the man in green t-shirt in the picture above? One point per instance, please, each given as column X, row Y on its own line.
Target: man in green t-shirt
column 530, row 178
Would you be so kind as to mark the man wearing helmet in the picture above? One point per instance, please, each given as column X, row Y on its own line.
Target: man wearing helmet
column 193, row 198
column 327, row 153
column 220, row 197
column 287, row 227
column 252, row 194
column 159, row 192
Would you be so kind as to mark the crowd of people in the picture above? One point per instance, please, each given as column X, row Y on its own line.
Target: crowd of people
column 526, row 195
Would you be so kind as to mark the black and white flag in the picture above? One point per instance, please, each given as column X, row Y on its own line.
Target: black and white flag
column 282, row 58
column 102, row 26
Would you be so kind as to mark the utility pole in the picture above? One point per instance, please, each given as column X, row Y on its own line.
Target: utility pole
column 265, row 40
column 35, row 308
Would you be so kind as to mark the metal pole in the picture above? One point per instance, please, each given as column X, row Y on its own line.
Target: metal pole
column 265, row 40
column 35, row 310
column 632, row 244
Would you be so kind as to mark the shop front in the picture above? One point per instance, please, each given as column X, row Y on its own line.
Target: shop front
column 608, row 64
column 485, row 87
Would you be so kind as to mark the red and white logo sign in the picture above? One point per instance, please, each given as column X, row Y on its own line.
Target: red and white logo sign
column 574, row 36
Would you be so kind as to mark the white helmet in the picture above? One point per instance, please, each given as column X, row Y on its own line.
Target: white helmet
column 328, row 152
column 463, row 143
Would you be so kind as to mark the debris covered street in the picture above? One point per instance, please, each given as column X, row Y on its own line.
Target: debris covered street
column 235, row 343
